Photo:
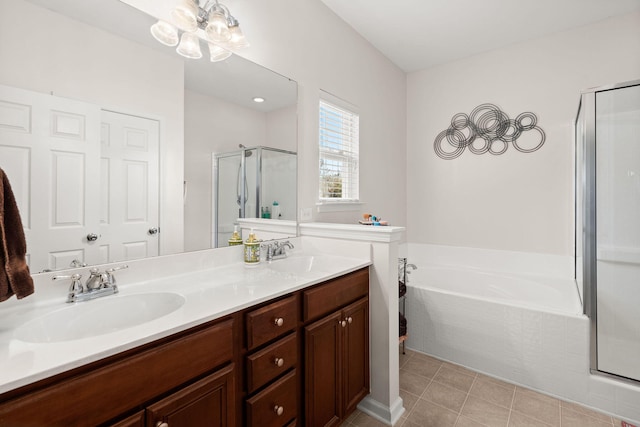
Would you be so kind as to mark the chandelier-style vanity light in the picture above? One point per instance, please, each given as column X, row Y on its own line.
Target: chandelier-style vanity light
column 222, row 30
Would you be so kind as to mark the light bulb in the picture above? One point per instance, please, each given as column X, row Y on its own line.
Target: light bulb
column 185, row 15
column 165, row 33
column 217, row 29
column 216, row 53
column 237, row 37
column 189, row 46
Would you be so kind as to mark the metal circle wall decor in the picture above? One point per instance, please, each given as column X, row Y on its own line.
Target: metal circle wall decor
column 487, row 129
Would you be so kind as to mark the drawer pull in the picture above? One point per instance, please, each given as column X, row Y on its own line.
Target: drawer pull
column 279, row 361
column 162, row 424
column 279, row 410
column 278, row 321
column 343, row 323
column 350, row 319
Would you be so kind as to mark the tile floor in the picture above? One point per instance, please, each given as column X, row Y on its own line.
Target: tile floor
column 440, row 394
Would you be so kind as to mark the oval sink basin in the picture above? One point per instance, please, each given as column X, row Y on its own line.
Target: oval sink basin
column 298, row 264
column 98, row 317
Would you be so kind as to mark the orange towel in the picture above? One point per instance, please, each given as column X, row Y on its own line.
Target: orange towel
column 14, row 271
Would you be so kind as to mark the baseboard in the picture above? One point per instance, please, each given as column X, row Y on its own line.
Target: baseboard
column 382, row 413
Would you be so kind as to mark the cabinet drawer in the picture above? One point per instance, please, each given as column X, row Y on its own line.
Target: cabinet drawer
column 335, row 294
column 276, row 405
column 268, row 363
column 271, row 321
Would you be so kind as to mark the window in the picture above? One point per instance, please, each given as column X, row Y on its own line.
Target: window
column 338, row 144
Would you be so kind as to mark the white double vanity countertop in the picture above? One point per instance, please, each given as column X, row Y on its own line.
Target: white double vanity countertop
column 42, row 335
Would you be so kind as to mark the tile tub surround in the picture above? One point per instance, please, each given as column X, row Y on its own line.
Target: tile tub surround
column 542, row 350
column 214, row 283
column 437, row 393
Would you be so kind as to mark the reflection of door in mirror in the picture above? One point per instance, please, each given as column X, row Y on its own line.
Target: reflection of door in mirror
column 129, row 168
column 51, row 148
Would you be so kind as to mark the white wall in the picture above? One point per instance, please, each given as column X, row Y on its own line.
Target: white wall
column 280, row 133
column 46, row 52
column 233, row 125
column 516, row 201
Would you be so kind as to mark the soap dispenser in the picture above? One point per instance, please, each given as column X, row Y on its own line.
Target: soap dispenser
column 251, row 250
column 235, row 239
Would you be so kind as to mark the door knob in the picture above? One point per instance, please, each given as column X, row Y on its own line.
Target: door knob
column 279, row 410
column 92, row 237
column 279, row 361
column 162, row 424
column 278, row 321
column 154, row 230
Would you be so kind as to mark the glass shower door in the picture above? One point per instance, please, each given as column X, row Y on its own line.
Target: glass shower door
column 617, row 183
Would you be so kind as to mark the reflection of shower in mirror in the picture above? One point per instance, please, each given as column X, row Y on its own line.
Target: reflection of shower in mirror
column 262, row 176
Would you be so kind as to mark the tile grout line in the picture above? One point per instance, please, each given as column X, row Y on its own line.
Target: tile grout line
column 513, row 399
column 465, row 400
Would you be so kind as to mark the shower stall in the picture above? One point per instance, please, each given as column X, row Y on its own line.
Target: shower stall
column 247, row 183
column 607, row 131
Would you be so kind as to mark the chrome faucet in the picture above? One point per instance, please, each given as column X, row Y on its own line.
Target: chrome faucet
column 98, row 284
column 277, row 250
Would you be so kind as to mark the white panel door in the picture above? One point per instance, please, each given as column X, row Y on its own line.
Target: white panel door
column 130, row 187
column 49, row 148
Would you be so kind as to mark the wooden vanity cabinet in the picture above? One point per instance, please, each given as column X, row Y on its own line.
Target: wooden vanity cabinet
column 110, row 389
column 336, row 349
column 301, row 359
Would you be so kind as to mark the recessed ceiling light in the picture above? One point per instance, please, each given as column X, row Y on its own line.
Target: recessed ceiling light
column 258, row 99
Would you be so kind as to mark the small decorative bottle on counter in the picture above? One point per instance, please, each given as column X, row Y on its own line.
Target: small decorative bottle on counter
column 251, row 250
column 235, row 239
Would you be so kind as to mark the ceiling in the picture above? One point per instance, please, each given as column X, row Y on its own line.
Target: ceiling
column 419, row 34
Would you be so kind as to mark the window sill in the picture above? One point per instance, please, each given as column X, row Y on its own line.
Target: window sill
column 352, row 206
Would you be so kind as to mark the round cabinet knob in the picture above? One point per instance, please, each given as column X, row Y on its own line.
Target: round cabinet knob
column 278, row 321
column 343, row 323
column 279, row 410
column 92, row 237
column 350, row 319
column 153, row 230
column 162, row 424
column 279, row 361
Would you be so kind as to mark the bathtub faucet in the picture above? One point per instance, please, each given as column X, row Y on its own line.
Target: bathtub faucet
column 404, row 272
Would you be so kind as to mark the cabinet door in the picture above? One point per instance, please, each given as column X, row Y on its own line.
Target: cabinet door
column 322, row 369
column 206, row 403
column 356, row 354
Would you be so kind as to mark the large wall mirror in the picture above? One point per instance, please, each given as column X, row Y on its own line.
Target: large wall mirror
column 110, row 140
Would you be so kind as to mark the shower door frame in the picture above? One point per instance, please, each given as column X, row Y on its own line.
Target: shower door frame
column 585, row 183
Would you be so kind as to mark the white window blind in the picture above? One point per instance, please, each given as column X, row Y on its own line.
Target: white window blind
column 339, row 153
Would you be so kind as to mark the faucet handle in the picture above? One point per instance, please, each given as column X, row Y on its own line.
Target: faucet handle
column 76, row 285
column 270, row 250
column 110, row 279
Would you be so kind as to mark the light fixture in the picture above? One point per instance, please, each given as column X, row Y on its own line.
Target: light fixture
column 258, row 99
column 221, row 30
column 216, row 53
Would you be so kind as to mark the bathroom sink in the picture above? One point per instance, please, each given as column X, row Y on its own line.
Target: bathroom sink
column 293, row 265
column 299, row 264
column 98, row 317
